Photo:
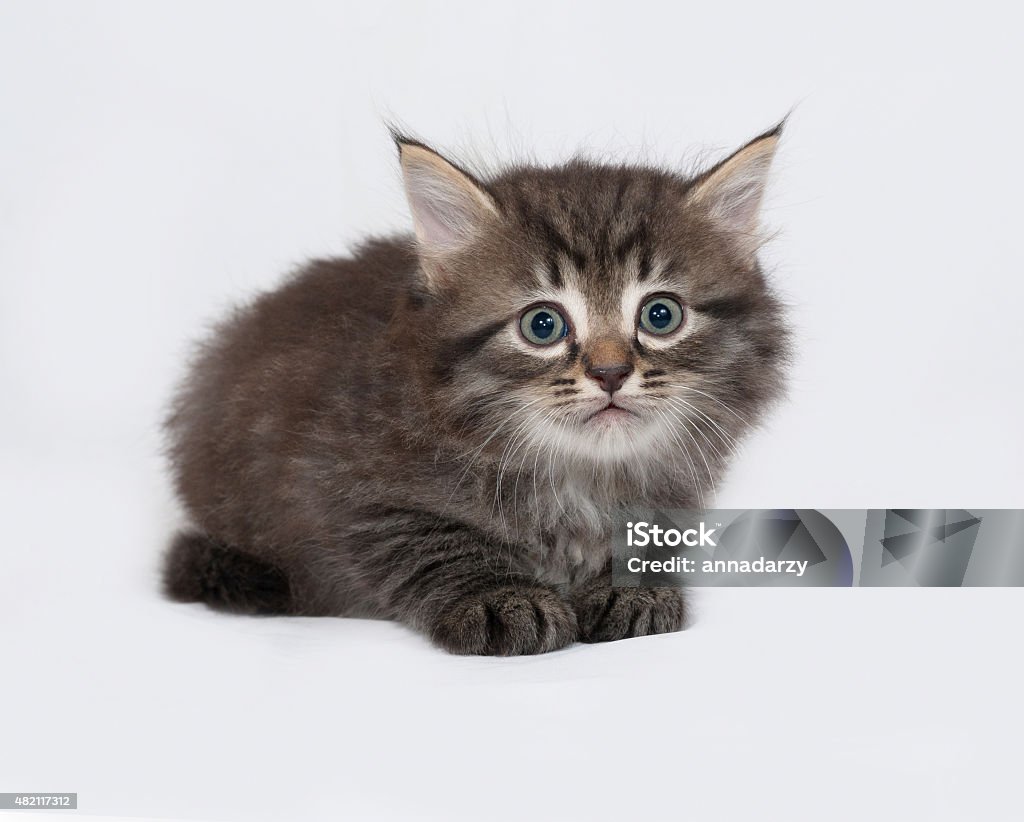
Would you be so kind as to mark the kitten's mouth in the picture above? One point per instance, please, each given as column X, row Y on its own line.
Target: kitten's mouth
column 610, row 413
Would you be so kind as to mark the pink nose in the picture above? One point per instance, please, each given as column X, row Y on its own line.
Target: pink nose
column 610, row 377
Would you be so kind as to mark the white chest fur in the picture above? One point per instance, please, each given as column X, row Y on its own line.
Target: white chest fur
column 576, row 534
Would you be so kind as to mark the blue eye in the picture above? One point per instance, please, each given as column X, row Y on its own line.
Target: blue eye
column 661, row 315
column 543, row 325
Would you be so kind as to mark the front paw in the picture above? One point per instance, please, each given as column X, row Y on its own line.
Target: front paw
column 605, row 614
column 505, row 622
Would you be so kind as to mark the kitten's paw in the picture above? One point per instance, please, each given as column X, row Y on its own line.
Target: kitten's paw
column 506, row 622
column 605, row 614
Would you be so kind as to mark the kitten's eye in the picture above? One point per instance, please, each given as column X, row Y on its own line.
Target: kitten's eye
column 661, row 315
column 543, row 325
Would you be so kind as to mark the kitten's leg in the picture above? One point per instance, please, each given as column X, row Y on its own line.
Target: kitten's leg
column 604, row 613
column 200, row 569
column 453, row 586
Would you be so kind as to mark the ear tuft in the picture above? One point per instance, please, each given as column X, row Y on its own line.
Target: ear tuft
column 732, row 191
column 449, row 206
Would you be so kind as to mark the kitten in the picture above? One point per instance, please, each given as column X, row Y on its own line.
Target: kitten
column 438, row 429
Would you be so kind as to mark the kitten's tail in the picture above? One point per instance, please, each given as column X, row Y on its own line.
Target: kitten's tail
column 199, row 569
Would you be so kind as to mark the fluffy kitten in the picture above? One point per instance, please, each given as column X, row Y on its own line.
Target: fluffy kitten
column 438, row 429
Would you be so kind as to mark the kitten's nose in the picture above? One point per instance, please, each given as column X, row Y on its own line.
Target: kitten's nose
column 610, row 377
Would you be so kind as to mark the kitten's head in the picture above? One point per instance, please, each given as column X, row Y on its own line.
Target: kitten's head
column 595, row 313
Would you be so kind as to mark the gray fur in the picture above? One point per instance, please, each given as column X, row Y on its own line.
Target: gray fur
column 374, row 436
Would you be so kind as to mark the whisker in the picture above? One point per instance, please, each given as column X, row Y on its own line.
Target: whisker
column 686, row 454
column 725, row 436
column 513, row 443
column 684, row 407
column 681, row 416
column 713, row 399
column 551, row 480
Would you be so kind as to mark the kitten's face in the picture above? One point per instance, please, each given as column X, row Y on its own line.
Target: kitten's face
column 599, row 313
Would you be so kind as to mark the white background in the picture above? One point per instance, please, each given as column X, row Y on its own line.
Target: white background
column 161, row 161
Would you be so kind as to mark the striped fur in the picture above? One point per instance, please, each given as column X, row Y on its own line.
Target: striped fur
column 375, row 437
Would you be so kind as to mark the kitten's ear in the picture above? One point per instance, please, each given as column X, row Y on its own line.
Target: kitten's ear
column 732, row 191
column 448, row 205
